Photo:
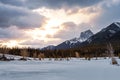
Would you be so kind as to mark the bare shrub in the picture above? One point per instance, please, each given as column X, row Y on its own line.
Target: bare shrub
column 24, row 54
column 77, row 55
column 111, row 53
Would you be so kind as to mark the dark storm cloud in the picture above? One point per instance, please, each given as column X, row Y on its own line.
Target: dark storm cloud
column 18, row 13
column 16, row 16
column 60, row 3
column 13, row 2
column 50, row 3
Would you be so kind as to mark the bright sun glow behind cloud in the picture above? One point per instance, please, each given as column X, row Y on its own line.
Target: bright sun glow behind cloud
column 54, row 20
column 11, row 43
column 57, row 17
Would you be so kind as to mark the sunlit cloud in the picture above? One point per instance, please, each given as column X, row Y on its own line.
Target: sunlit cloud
column 12, row 43
column 40, row 23
column 57, row 17
column 57, row 24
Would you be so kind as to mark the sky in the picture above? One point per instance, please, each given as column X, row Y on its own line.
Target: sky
column 39, row 23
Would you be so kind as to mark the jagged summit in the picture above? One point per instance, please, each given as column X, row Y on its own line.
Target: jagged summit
column 69, row 43
column 85, row 35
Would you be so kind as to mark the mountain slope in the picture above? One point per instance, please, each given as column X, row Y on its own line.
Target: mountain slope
column 105, row 34
column 115, row 37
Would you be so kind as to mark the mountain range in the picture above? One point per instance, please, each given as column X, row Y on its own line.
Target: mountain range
column 111, row 33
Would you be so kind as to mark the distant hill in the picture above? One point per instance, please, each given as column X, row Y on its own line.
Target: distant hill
column 50, row 47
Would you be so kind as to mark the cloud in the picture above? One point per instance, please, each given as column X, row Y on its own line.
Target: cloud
column 60, row 3
column 110, row 12
column 12, row 33
column 32, row 42
column 69, row 30
column 20, row 17
column 39, row 43
column 55, row 4
column 13, row 2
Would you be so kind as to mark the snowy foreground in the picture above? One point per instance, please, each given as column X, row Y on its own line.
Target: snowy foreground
column 75, row 69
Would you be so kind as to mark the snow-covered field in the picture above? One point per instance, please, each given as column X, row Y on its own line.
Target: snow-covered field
column 74, row 69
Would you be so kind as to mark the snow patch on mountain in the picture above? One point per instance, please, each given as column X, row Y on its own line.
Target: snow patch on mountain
column 112, row 31
column 74, row 40
column 85, row 35
column 117, row 23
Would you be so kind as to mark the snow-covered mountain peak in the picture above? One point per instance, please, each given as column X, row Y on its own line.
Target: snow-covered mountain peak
column 117, row 24
column 83, row 37
column 112, row 27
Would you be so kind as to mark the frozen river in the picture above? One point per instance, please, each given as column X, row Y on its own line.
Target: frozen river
column 74, row 69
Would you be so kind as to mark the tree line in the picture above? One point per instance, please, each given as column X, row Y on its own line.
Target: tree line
column 86, row 52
